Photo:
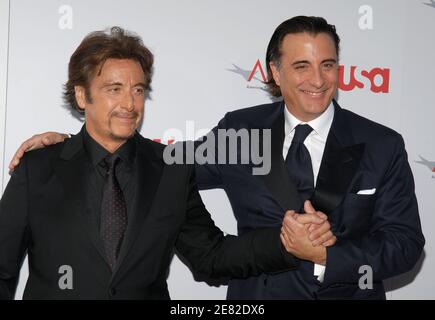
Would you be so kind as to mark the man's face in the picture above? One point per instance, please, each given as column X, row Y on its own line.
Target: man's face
column 117, row 104
column 307, row 74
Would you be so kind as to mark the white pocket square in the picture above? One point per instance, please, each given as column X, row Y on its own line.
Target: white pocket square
column 367, row 191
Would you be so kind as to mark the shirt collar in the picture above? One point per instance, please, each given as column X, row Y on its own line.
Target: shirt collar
column 97, row 152
column 321, row 125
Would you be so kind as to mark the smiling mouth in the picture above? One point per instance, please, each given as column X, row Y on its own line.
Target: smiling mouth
column 125, row 116
column 314, row 94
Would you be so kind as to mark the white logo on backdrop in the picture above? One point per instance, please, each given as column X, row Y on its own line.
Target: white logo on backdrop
column 366, row 20
column 66, row 18
column 431, row 4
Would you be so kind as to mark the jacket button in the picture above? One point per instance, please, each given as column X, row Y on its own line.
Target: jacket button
column 342, row 229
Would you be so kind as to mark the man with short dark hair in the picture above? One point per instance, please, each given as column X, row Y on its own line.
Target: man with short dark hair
column 324, row 159
column 101, row 213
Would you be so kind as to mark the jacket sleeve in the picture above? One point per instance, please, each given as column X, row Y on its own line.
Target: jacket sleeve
column 394, row 241
column 215, row 255
column 208, row 172
column 14, row 231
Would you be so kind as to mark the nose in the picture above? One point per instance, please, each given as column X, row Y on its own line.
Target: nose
column 128, row 101
column 317, row 78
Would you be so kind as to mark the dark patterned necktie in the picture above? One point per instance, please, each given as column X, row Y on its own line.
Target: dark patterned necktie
column 298, row 163
column 113, row 212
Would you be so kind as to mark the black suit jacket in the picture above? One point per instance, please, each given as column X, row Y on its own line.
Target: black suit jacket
column 381, row 230
column 45, row 212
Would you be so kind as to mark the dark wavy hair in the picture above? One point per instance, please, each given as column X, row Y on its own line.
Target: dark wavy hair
column 88, row 60
column 299, row 24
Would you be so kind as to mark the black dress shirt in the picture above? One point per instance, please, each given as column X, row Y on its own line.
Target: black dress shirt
column 125, row 171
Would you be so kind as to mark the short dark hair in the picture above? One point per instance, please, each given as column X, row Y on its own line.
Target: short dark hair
column 94, row 50
column 299, row 24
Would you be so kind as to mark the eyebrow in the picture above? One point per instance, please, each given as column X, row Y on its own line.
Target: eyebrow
column 329, row 60
column 307, row 62
column 108, row 84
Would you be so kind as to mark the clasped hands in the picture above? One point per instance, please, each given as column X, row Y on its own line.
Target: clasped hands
column 307, row 235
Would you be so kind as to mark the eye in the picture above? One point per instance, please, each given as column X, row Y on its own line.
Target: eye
column 139, row 90
column 301, row 66
column 114, row 89
column 329, row 65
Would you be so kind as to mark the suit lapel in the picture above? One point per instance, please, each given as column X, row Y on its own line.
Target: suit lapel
column 340, row 162
column 277, row 181
column 73, row 170
column 149, row 168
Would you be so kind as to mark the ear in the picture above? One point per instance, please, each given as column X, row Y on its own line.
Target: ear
column 275, row 73
column 80, row 96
